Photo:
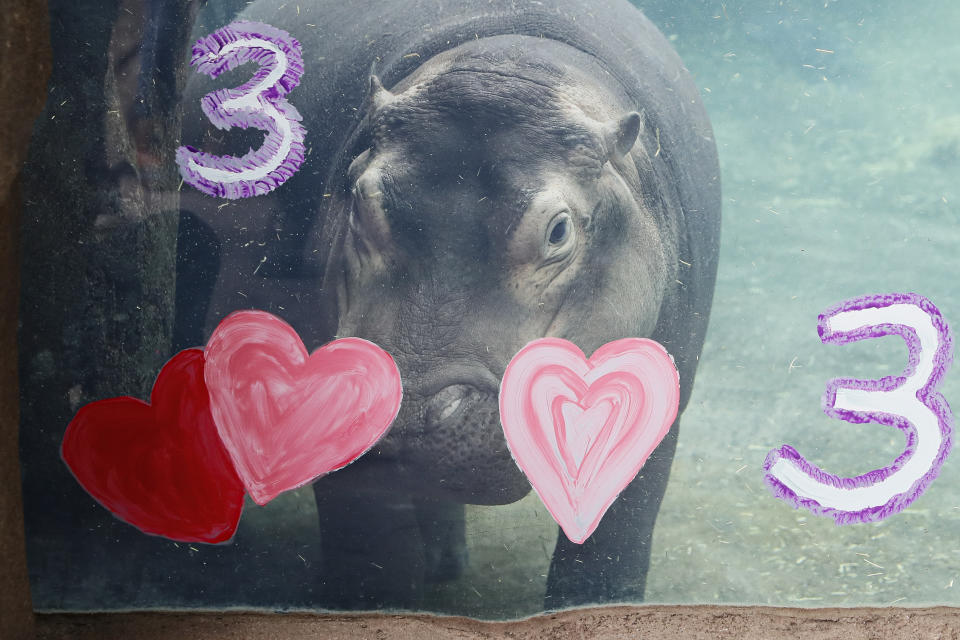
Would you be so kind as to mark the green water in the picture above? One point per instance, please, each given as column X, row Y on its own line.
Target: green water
column 833, row 188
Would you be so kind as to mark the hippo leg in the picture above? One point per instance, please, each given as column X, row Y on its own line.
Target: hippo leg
column 373, row 552
column 611, row 566
column 443, row 530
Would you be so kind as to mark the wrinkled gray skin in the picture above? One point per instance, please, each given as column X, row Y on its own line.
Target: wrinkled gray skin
column 529, row 171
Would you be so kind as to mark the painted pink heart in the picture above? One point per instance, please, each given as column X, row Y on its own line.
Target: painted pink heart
column 582, row 429
column 287, row 417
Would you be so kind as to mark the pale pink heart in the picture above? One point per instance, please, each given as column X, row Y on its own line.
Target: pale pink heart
column 582, row 429
column 286, row 417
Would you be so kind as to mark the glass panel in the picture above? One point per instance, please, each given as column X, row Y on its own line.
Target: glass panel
column 428, row 189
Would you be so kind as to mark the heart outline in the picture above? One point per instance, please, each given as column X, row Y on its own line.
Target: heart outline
column 638, row 371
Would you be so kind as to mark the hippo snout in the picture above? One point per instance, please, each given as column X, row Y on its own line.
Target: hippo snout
column 447, row 438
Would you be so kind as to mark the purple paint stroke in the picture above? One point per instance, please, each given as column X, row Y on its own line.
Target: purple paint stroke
column 927, row 395
column 209, row 58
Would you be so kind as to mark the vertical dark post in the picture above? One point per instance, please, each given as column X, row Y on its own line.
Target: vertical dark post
column 25, row 64
column 98, row 256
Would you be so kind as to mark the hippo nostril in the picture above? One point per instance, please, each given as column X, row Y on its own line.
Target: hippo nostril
column 445, row 403
column 450, row 408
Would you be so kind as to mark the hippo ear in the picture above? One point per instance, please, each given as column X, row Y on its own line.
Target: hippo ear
column 379, row 97
column 620, row 135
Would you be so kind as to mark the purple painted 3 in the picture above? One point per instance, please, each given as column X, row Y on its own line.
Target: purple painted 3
column 909, row 402
column 259, row 103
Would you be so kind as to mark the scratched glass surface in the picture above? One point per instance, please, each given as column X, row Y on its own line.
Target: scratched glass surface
column 838, row 135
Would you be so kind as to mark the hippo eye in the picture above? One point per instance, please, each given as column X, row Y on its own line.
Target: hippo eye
column 560, row 231
column 559, row 236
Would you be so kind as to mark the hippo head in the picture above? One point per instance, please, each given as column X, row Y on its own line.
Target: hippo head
column 496, row 199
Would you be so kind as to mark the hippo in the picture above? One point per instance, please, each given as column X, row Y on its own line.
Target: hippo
column 477, row 175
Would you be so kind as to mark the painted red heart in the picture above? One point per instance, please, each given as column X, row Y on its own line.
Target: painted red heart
column 582, row 429
column 287, row 417
column 160, row 466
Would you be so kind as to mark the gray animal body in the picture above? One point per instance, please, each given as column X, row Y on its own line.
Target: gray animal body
column 513, row 170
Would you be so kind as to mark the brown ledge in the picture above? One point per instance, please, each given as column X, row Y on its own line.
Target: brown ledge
column 663, row 623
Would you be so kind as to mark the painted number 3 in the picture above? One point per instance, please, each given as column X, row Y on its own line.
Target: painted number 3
column 909, row 402
column 259, row 103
